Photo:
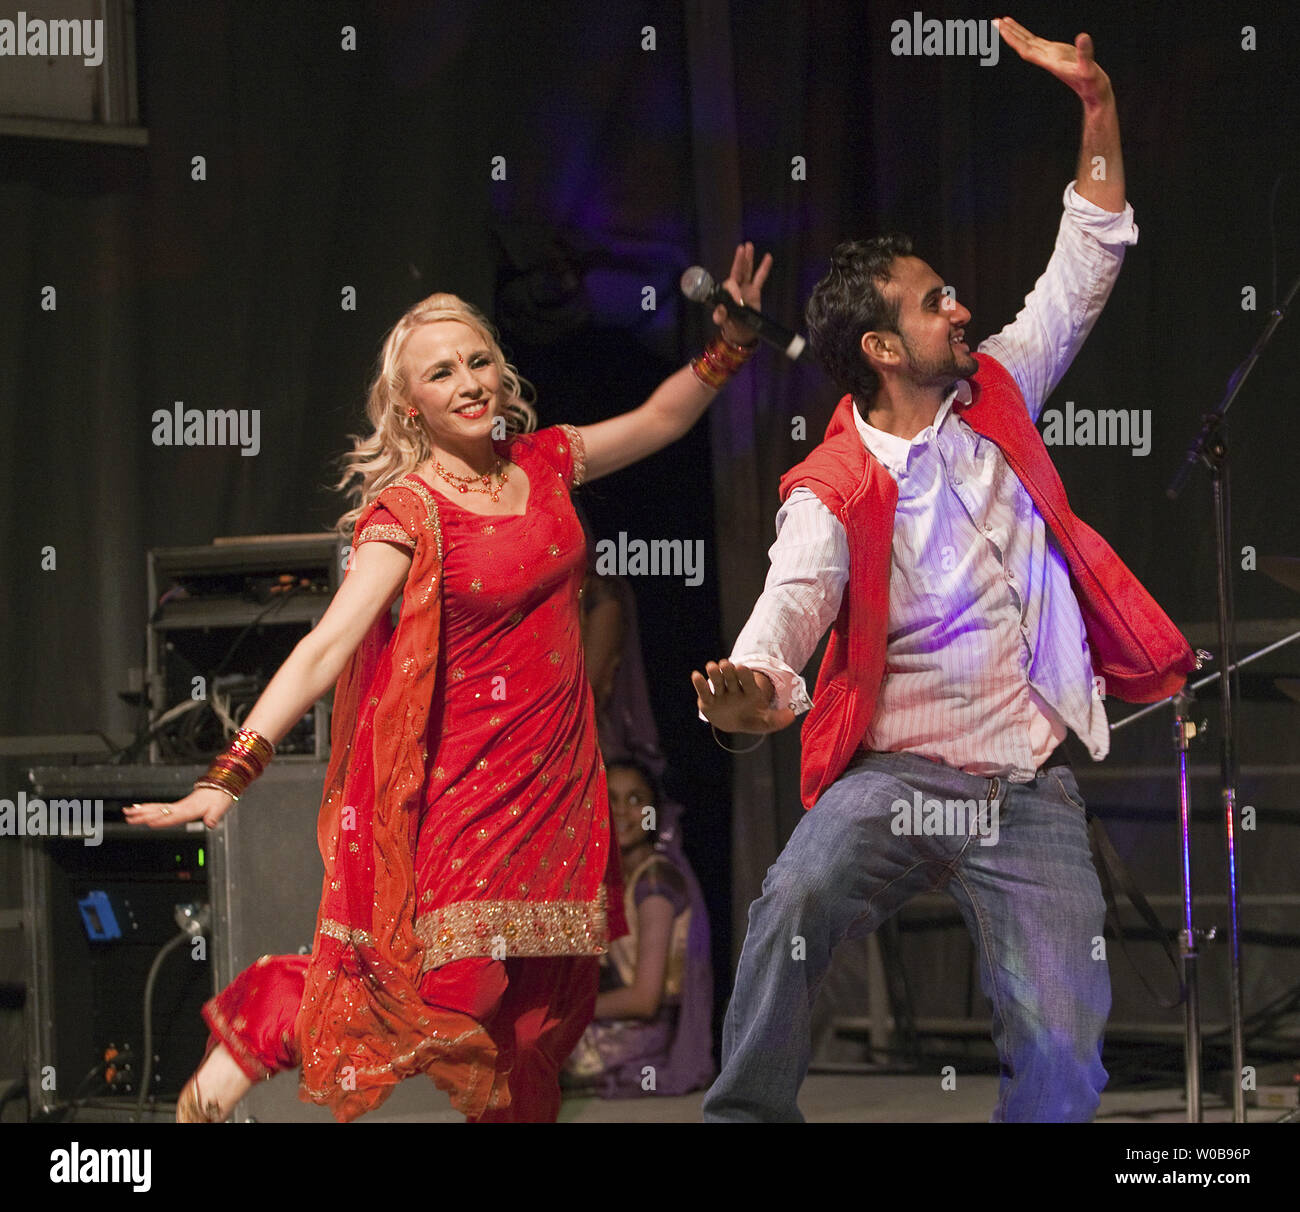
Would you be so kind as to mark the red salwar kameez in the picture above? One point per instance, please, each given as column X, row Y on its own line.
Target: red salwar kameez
column 470, row 875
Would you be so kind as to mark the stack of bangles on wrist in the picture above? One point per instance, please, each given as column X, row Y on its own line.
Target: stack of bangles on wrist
column 720, row 360
column 233, row 770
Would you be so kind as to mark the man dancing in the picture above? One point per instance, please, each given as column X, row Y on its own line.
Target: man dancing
column 975, row 620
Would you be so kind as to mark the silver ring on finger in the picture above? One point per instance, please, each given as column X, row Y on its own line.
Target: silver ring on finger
column 166, row 812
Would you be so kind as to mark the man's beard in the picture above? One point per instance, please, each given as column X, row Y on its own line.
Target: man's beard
column 941, row 371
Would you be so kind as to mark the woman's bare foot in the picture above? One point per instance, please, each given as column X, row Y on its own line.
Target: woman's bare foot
column 211, row 1094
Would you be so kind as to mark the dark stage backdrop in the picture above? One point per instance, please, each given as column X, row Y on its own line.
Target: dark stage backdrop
column 372, row 169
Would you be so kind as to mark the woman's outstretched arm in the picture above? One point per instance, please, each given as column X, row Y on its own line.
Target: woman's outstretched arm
column 678, row 402
column 378, row 571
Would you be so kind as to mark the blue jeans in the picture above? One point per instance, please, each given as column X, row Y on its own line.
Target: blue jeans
column 1030, row 899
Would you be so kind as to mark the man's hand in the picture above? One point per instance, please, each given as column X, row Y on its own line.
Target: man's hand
column 1100, row 175
column 1072, row 64
column 739, row 699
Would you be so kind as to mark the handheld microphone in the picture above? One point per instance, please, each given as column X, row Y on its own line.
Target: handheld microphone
column 698, row 286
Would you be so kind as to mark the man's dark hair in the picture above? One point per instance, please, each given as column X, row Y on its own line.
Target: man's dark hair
column 849, row 301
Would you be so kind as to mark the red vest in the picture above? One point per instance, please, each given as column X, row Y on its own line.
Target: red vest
column 1134, row 645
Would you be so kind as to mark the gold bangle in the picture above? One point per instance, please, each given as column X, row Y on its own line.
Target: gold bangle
column 208, row 784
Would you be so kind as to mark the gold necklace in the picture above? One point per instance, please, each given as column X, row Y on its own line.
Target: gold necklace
column 471, row 483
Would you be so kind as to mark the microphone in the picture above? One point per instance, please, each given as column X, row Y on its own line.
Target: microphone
column 698, row 286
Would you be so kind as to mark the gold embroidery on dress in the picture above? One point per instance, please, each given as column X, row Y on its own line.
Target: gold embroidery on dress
column 386, row 532
column 529, row 928
column 579, row 454
column 359, row 938
column 402, row 1061
column 432, row 520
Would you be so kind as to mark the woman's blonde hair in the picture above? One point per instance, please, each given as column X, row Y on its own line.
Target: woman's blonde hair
column 396, row 447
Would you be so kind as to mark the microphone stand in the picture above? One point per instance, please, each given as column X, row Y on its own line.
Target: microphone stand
column 1184, row 731
column 1211, row 448
column 1188, row 936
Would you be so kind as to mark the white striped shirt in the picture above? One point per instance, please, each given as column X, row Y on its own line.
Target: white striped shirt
column 987, row 662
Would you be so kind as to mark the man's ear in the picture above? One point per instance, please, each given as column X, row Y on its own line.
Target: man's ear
column 880, row 349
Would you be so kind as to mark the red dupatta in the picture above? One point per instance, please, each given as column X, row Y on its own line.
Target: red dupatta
column 363, row 1026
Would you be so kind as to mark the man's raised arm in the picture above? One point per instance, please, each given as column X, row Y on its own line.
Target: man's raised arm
column 1038, row 346
column 1100, row 176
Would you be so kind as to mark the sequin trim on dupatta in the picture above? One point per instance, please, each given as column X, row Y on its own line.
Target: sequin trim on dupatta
column 358, row 938
column 403, row 1064
column 431, row 521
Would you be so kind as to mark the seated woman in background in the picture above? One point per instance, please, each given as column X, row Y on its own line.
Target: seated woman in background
column 651, row 1033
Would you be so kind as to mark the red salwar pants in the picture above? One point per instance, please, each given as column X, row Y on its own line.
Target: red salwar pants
column 535, row 1010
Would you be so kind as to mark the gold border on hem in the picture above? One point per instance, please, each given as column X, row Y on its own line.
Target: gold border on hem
column 327, row 1097
column 528, row 929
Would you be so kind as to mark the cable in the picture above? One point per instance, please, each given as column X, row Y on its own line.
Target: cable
column 67, row 1112
column 193, row 920
column 147, row 1073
